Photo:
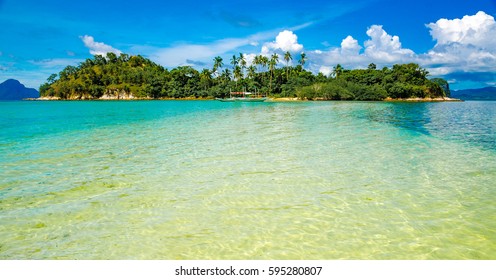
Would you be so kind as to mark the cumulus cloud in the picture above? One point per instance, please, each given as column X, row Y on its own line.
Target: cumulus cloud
column 384, row 47
column 249, row 57
column 477, row 30
column 98, row 48
column 463, row 45
column 326, row 70
column 350, row 46
column 285, row 41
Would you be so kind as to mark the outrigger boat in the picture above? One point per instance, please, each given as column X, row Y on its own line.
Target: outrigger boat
column 243, row 96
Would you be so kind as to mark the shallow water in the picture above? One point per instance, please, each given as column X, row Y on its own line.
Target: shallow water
column 213, row 180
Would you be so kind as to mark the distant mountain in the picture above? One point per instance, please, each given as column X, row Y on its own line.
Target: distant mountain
column 14, row 90
column 487, row 93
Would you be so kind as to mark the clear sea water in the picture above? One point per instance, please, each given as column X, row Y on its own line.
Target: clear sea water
column 213, row 180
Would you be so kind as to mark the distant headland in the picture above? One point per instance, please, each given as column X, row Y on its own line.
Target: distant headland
column 487, row 93
column 113, row 77
column 13, row 90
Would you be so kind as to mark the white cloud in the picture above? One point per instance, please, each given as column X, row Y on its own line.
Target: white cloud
column 463, row 45
column 350, row 46
column 383, row 47
column 98, row 48
column 265, row 50
column 286, row 41
column 326, row 70
column 477, row 30
column 249, row 58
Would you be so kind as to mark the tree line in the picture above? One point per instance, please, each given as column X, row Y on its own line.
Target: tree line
column 138, row 76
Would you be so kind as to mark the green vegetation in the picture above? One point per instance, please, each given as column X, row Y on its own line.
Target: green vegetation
column 124, row 76
column 402, row 81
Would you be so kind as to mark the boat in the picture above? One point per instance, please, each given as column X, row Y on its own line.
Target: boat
column 243, row 96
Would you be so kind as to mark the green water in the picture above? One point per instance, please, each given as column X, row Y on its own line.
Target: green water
column 213, row 180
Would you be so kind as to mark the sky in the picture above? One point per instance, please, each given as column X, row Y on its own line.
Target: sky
column 452, row 39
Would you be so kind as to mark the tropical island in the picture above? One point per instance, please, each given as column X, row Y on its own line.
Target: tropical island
column 135, row 77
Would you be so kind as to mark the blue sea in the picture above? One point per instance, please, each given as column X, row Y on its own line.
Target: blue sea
column 213, row 180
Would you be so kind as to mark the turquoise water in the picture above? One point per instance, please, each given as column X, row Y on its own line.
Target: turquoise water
column 214, row 180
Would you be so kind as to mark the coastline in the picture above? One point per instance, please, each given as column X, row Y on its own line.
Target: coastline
column 388, row 99
column 277, row 99
column 111, row 98
column 425, row 99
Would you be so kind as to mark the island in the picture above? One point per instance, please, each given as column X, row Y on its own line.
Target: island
column 135, row 77
column 481, row 94
column 13, row 90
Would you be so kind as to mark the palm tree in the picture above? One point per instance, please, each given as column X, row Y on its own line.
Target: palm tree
column 337, row 70
column 264, row 61
column 237, row 73
column 257, row 62
column 274, row 59
column 252, row 70
column 217, row 64
column 242, row 62
column 226, row 74
column 234, row 61
column 205, row 78
column 287, row 58
column 303, row 59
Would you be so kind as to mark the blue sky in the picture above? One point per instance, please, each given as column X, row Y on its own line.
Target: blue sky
column 454, row 39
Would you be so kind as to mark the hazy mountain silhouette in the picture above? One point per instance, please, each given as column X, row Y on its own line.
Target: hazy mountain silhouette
column 13, row 90
column 487, row 93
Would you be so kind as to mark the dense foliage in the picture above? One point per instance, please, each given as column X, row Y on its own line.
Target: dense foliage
column 139, row 77
column 402, row 81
